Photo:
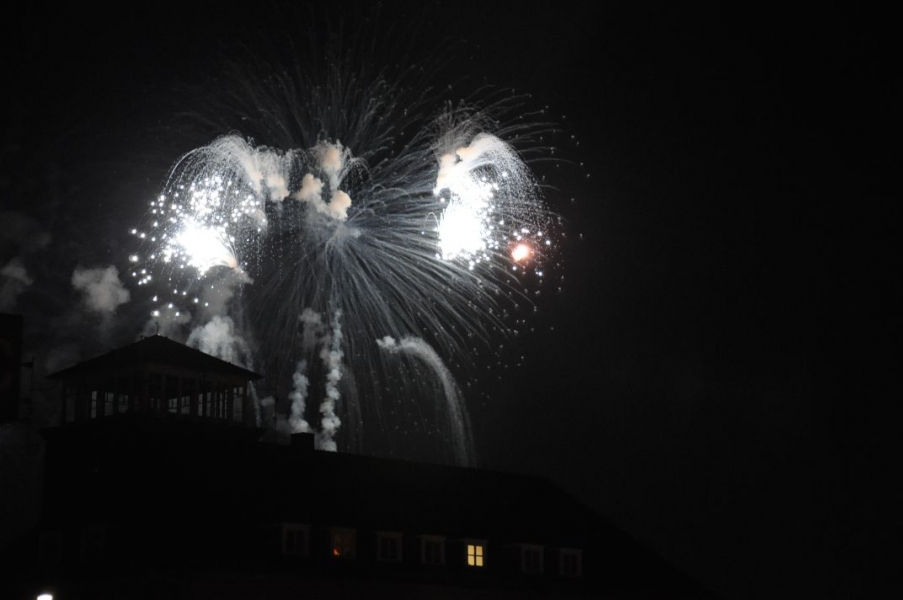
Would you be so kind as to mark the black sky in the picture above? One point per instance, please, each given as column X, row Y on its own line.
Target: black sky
column 712, row 374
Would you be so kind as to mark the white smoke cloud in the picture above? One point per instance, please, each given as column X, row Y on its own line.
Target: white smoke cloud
column 20, row 237
column 387, row 343
column 218, row 338
column 298, row 398
column 312, row 328
column 332, row 360
column 311, row 188
column 315, row 334
column 266, row 408
column 102, row 289
column 339, row 205
column 14, row 280
column 333, row 162
column 215, row 298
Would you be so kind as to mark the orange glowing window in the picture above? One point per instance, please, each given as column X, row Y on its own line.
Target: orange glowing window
column 475, row 555
column 343, row 543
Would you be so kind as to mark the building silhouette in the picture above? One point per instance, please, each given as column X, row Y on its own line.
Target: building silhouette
column 159, row 484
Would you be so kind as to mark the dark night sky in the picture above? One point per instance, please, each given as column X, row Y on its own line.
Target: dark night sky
column 711, row 376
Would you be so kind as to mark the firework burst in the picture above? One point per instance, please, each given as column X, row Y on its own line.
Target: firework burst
column 381, row 219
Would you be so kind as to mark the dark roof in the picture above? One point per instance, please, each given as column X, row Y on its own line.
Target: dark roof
column 161, row 468
column 200, row 491
column 156, row 350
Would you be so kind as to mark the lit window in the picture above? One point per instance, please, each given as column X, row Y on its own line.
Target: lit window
column 294, row 539
column 475, row 554
column 343, row 543
column 389, row 546
column 432, row 550
column 570, row 564
column 531, row 558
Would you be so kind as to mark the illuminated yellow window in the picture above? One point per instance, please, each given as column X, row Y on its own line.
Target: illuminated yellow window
column 475, row 555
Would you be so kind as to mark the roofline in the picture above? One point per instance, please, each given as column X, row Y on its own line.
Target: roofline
column 236, row 369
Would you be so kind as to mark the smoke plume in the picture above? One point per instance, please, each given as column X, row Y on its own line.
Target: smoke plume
column 298, row 398
column 14, row 280
column 218, row 338
column 332, row 360
column 103, row 291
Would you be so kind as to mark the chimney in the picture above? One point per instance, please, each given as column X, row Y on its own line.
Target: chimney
column 303, row 442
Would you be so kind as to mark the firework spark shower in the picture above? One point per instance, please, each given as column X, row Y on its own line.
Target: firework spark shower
column 384, row 213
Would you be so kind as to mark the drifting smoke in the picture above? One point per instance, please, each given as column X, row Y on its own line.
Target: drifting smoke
column 332, row 160
column 332, row 359
column 313, row 330
column 214, row 299
column 218, row 338
column 301, row 256
column 298, row 399
column 102, row 290
column 316, row 335
column 21, row 235
column 14, row 280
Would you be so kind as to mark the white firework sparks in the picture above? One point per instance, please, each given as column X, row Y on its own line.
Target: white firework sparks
column 397, row 225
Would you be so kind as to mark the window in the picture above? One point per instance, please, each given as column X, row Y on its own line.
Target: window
column 388, row 546
column 343, row 543
column 51, row 547
column 570, row 562
column 92, row 543
column 476, row 554
column 294, row 539
column 432, row 550
column 531, row 558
